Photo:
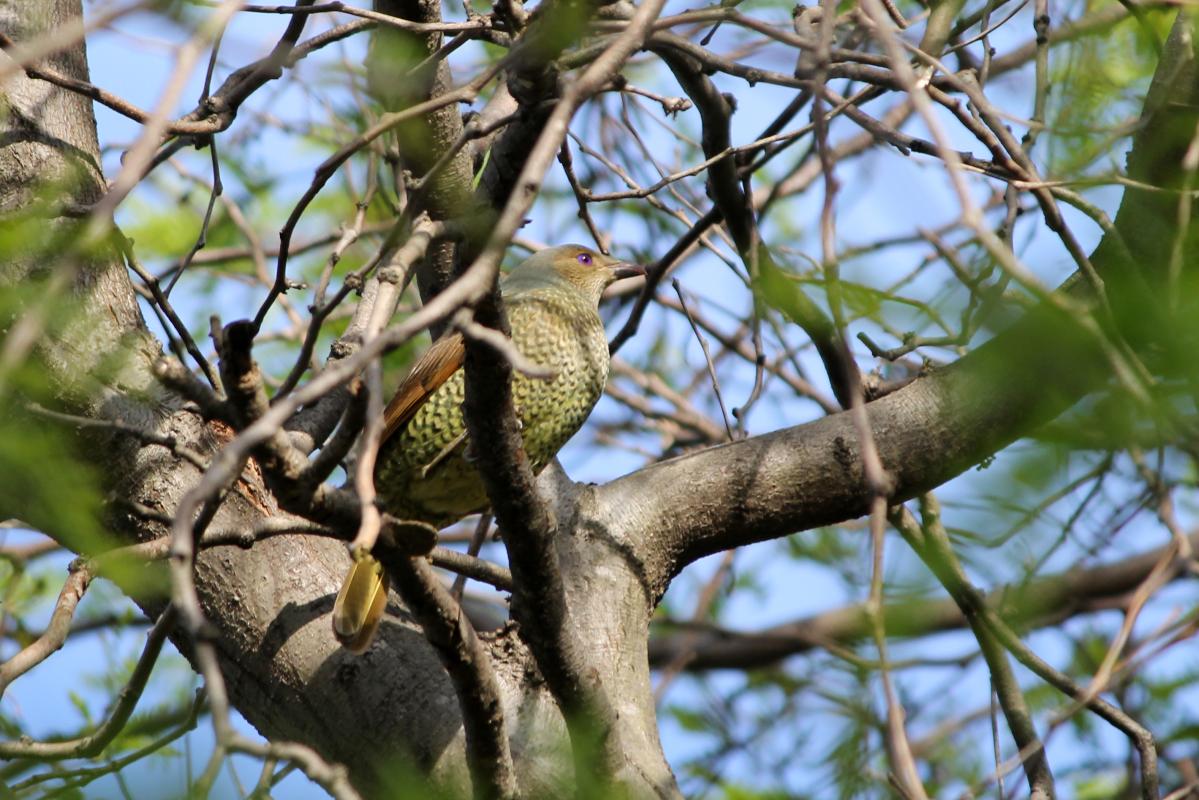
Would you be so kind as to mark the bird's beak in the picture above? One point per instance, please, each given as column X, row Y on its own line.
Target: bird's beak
column 626, row 269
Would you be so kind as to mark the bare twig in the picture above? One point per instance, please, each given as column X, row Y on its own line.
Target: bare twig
column 56, row 632
column 92, row 744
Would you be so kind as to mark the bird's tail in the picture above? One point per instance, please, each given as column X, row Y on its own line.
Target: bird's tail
column 359, row 607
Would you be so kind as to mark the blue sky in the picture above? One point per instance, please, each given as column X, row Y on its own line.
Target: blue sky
column 883, row 194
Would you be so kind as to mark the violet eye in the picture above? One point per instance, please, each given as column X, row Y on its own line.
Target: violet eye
column 584, row 259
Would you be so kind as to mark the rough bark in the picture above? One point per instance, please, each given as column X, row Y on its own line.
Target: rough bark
column 619, row 545
column 398, row 81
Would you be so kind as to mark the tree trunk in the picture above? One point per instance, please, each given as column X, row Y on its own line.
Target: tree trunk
column 619, row 545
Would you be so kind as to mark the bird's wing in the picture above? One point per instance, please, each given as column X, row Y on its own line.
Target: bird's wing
column 429, row 372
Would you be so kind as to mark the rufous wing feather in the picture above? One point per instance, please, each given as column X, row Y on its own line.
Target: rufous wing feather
column 429, row 372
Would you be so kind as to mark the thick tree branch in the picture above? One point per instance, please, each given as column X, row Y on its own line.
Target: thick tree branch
column 933, row 428
column 1035, row 604
column 539, row 594
column 284, row 670
column 541, row 606
column 470, row 668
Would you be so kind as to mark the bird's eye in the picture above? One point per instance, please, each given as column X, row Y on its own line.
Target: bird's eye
column 584, row 259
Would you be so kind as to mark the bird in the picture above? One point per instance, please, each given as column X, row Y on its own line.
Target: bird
column 425, row 470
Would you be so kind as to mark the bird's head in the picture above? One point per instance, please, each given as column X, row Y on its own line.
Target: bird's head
column 590, row 272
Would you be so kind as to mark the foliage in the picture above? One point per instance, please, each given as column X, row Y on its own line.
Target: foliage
column 843, row 239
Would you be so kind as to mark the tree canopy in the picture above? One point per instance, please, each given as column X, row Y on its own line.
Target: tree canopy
column 892, row 490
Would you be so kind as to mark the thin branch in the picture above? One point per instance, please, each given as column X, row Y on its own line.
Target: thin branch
column 329, row 167
column 468, row 566
column 703, row 343
column 933, row 547
column 56, row 632
column 117, row 426
column 482, row 528
column 931, row 543
column 74, row 779
column 1033, row 604
column 94, row 743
